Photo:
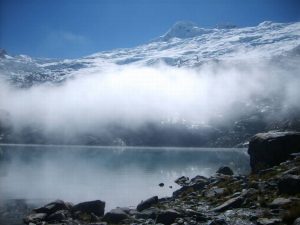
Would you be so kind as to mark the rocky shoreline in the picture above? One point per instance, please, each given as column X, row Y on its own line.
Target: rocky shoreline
column 269, row 195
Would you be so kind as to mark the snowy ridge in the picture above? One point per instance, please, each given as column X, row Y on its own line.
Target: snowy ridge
column 184, row 45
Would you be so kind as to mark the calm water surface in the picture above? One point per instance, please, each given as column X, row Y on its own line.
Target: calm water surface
column 117, row 175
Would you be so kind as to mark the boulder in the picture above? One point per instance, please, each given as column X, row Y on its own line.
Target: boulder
column 272, row 148
column 115, row 216
column 96, row 207
column 225, row 170
column 289, row 184
column 167, row 216
column 53, row 207
column 147, row 203
column 182, row 181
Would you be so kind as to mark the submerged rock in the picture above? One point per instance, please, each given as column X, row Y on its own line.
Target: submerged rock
column 272, row 148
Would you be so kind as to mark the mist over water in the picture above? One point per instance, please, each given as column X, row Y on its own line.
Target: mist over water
column 131, row 96
column 119, row 176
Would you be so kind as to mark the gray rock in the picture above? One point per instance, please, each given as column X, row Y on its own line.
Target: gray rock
column 115, row 216
column 34, row 218
column 225, row 170
column 96, row 207
column 214, row 191
column 279, row 202
column 167, row 217
column 147, row 203
column 230, row 204
column 289, row 184
column 272, row 148
column 196, row 184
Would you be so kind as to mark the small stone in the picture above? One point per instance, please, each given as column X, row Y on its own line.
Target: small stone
column 161, row 184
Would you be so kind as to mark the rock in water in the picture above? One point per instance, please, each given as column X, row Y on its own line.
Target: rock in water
column 96, row 207
column 147, row 203
column 225, row 170
column 272, row 148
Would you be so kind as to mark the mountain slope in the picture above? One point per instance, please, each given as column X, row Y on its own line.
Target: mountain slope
column 209, row 87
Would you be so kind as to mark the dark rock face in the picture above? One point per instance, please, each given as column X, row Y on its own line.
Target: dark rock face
column 96, row 207
column 115, row 216
column 167, row 216
column 147, row 203
column 270, row 149
column 225, row 170
column 289, row 184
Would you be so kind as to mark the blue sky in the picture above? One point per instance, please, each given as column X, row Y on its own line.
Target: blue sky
column 75, row 28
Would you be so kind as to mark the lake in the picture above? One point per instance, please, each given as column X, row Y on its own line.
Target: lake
column 120, row 176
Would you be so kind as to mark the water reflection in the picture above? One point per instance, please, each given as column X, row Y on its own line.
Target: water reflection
column 119, row 176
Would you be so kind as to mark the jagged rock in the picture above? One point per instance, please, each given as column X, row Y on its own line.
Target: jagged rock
column 34, row 218
column 272, row 148
column 115, row 216
column 53, row 207
column 230, row 204
column 225, row 170
column 196, row 184
column 147, row 203
column 58, row 216
column 182, row 181
column 96, row 207
column 289, row 184
column 167, row 216
column 297, row 221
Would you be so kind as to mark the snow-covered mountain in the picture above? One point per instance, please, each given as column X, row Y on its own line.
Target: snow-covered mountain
column 183, row 45
column 263, row 61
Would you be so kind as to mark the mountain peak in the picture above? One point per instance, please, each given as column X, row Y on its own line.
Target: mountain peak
column 184, row 29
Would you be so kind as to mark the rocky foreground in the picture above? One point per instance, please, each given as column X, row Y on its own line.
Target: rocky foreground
column 269, row 195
